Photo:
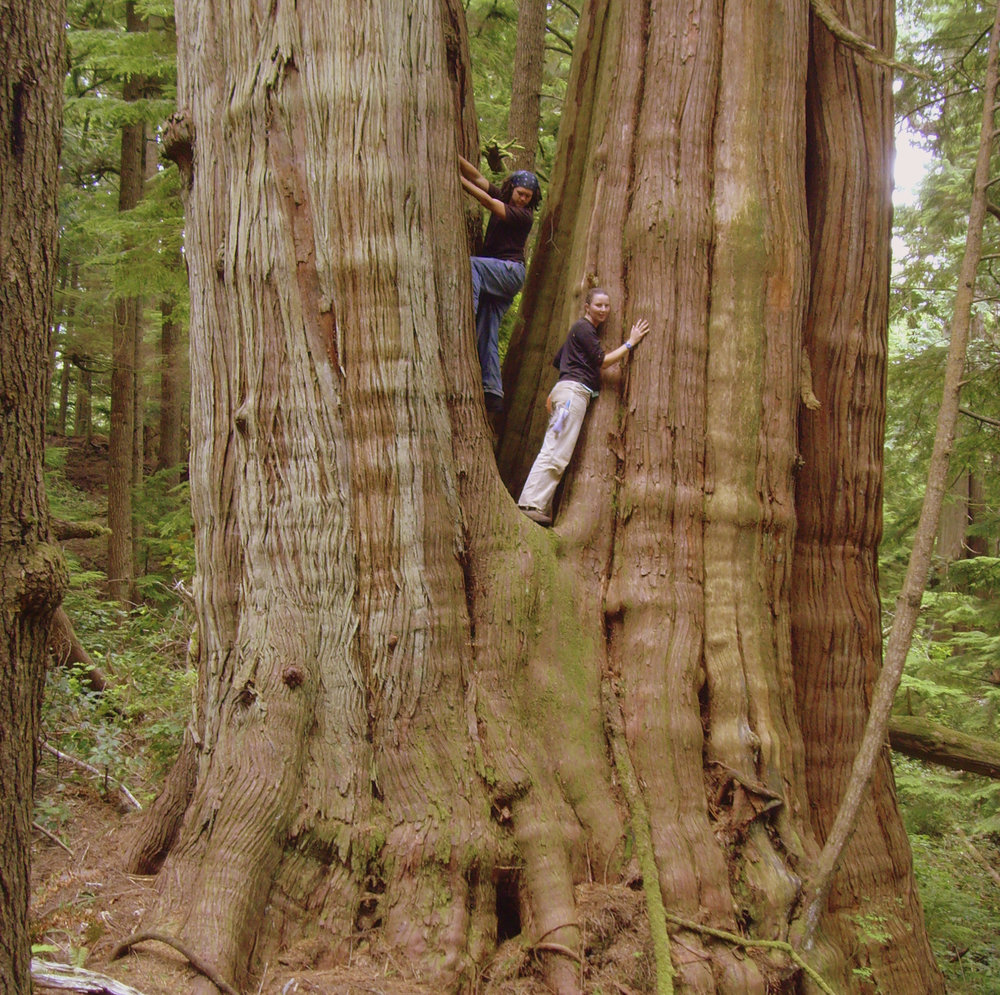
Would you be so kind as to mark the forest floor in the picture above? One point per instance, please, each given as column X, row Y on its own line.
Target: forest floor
column 84, row 903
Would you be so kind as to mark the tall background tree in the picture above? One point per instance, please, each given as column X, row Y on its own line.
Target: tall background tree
column 32, row 572
column 408, row 693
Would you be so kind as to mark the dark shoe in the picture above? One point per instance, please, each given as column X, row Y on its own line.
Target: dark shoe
column 537, row 516
column 494, row 403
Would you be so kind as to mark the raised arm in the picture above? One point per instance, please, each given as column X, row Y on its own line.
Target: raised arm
column 638, row 333
column 497, row 207
column 469, row 172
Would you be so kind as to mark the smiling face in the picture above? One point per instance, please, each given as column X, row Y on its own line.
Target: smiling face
column 521, row 196
column 596, row 309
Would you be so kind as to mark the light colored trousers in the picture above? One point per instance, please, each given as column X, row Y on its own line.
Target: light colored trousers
column 558, row 445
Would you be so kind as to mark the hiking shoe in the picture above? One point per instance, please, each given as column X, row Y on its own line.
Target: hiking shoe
column 537, row 516
column 494, row 403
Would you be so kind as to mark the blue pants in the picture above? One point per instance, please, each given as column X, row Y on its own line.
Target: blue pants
column 494, row 284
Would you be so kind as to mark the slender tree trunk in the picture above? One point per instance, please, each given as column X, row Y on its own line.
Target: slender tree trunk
column 32, row 571
column 168, row 455
column 82, row 424
column 526, row 88
column 59, row 351
column 122, row 457
column 64, row 372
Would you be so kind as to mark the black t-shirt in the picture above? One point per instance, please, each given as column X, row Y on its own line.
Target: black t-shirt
column 505, row 238
column 581, row 355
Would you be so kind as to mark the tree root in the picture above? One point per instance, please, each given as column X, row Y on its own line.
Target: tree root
column 200, row 965
column 643, row 842
column 743, row 941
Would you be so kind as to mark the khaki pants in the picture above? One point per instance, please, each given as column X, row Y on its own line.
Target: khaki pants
column 558, row 445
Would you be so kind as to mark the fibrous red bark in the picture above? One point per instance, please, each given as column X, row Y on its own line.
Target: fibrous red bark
column 32, row 571
column 401, row 685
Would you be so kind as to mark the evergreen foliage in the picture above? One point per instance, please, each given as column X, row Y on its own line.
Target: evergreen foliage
column 105, row 253
column 492, row 33
column 953, row 669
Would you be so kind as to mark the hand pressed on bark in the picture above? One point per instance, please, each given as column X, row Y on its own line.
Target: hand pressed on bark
column 580, row 361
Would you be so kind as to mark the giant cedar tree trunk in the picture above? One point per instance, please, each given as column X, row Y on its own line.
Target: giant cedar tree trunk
column 32, row 572
column 837, row 636
column 402, row 679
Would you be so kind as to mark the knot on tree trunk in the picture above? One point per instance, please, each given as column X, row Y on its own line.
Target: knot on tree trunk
column 40, row 579
column 178, row 144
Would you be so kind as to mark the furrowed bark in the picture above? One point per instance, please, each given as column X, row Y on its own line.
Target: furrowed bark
column 908, row 602
column 836, row 633
column 32, row 569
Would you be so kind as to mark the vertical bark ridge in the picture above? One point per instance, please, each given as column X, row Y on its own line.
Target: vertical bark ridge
column 759, row 286
column 836, row 613
column 33, row 572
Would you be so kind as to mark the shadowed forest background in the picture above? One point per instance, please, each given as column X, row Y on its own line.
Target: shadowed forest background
column 117, row 447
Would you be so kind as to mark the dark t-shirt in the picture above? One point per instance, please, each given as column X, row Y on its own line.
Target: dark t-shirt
column 505, row 238
column 581, row 355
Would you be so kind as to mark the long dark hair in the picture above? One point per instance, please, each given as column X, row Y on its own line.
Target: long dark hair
column 508, row 188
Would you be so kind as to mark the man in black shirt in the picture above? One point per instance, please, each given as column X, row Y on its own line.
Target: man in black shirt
column 579, row 360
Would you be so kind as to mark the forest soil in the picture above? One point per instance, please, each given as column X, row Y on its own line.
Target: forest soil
column 84, row 904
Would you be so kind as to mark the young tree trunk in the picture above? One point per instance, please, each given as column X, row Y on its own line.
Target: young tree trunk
column 82, row 424
column 405, row 685
column 32, row 571
column 168, row 456
column 526, row 86
column 124, row 350
column 60, row 424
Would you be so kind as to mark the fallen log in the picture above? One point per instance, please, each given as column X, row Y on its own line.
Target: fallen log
column 63, row 976
column 922, row 739
column 63, row 530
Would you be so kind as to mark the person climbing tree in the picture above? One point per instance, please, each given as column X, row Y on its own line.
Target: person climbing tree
column 579, row 360
column 498, row 274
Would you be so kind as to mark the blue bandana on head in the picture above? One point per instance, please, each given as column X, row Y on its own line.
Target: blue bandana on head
column 523, row 178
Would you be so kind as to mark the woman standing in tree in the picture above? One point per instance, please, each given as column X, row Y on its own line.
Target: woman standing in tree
column 579, row 360
column 498, row 274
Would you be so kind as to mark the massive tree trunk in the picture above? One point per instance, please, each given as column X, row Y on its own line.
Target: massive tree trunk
column 405, row 685
column 836, row 632
column 32, row 572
